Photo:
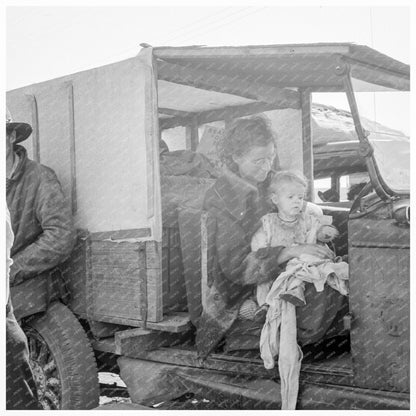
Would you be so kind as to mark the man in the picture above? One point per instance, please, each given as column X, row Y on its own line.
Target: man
column 20, row 386
column 43, row 238
column 41, row 219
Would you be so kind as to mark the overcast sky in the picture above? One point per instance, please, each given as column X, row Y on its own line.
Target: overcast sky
column 47, row 42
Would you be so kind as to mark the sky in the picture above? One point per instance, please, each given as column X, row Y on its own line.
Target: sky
column 59, row 40
column 45, row 42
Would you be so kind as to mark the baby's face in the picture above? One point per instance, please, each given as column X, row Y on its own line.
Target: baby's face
column 289, row 199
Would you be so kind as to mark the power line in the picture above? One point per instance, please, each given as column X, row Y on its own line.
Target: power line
column 233, row 12
column 210, row 27
column 136, row 47
column 224, row 21
column 169, row 37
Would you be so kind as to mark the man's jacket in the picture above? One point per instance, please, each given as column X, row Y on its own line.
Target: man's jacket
column 237, row 208
column 41, row 219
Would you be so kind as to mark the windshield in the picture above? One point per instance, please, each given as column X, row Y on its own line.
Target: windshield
column 392, row 155
column 385, row 115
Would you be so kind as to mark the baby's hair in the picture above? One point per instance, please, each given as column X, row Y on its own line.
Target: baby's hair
column 284, row 177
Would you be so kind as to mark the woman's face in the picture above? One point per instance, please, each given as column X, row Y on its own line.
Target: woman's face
column 256, row 163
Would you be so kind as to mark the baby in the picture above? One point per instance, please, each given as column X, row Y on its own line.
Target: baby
column 295, row 222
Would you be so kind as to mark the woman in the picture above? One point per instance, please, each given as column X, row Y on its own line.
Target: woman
column 237, row 202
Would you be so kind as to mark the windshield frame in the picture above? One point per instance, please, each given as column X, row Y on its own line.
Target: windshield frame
column 366, row 150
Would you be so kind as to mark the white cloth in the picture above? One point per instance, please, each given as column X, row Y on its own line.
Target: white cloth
column 278, row 336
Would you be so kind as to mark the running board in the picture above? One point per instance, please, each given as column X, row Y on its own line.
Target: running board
column 254, row 394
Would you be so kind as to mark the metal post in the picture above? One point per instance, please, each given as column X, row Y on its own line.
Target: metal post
column 35, row 127
column 192, row 138
column 307, row 142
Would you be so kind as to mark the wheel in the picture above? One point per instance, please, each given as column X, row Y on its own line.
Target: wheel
column 62, row 360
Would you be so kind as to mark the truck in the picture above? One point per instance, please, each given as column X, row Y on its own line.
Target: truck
column 132, row 291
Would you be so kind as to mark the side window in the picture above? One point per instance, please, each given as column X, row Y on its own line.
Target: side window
column 174, row 138
column 343, row 188
column 352, row 185
column 320, row 187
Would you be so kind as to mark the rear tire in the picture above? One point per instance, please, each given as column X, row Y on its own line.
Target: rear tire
column 62, row 360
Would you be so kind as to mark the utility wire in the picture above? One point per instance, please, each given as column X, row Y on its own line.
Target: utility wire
column 215, row 16
column 225, row 21
column 174, row 35
column 222, row 22
column 136, row 47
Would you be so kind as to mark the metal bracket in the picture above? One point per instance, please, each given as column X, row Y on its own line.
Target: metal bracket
column 342, row 67
column 365, row 149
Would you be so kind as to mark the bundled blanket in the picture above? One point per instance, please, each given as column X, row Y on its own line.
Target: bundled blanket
column 278, row 336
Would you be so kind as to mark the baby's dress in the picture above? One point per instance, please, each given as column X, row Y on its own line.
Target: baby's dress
column 277, row 232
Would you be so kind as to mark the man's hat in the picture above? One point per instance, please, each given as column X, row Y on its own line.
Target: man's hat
column 23, row 130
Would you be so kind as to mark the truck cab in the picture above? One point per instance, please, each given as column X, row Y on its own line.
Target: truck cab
column 133, row 144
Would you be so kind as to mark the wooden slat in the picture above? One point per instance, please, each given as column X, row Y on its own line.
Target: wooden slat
column 175, row 323
column 225, row 113
column 236, row 111
column 126, row 281
column 102, row 330
column 121, row 234
column 152, row 254
column 217, row 81
column 192, row 138
column 89, row 279
column 151, row 278
column 131, row 342
column 154, row 281
column 176, row 113
column 101, row 317
column 250, row 51
column 142, row 283
column 115, row 275
column 72, row 148
column 178, row 322
column 75, row 271
column 307, row 142
column 35, row 127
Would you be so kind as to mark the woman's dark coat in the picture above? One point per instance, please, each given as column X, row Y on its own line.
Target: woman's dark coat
column 236, row 207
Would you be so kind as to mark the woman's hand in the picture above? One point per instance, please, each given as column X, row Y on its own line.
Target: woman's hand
column 320, row 251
